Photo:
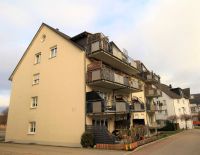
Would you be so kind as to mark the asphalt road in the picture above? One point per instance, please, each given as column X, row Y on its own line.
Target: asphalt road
column 185, row 143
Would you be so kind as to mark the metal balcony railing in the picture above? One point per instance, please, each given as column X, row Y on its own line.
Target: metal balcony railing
column 100, row 48
column 137, row 107
column 96, row 107
column 152, row 77
column 99, row 72
column 153, row 92
column 151, row 108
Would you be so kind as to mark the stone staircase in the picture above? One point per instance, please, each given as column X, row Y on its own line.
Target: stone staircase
column 101, row 134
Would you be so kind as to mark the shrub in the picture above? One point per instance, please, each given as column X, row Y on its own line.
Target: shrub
column 87, row 140
column 169, row 127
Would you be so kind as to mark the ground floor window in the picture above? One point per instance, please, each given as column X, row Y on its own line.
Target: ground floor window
column 32, row 127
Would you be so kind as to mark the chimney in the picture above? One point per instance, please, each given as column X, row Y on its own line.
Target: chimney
column 57, row 29
column 170, row 86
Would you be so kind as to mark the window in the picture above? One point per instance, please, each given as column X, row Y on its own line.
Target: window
column 53, row 52
column 183, row 109
column 32, row 127
column 34, row 102
column 37, row 58
column 164, row 102
column 36, row 78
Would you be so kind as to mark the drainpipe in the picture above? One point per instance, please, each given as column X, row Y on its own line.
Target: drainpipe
column 85, row 85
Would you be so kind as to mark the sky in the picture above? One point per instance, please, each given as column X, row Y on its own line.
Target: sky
column 163, row 34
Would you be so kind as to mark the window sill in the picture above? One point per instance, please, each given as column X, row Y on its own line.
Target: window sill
column 31, row 133
column 52, row 57
column 36, row 63
column 35, row 84
column 33, row 107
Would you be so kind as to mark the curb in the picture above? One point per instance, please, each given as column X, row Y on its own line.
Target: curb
column 142, row 146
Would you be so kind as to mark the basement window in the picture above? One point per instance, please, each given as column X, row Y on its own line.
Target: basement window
column 32, row 127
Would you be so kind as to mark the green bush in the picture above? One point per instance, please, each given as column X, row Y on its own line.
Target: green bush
column 169, row 127
column 87, row 140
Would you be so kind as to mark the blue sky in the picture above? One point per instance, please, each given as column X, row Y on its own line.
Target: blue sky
column 164, row 34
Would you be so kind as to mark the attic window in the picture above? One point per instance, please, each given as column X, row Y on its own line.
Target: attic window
column 37, row 58
column 43, row 38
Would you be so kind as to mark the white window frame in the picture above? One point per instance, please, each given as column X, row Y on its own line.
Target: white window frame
column 34, row 102
column 53, row 52
column 36, row 78
column 32, row 127
column 37, row 58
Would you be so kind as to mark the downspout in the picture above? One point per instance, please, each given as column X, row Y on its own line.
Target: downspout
column 85, row 85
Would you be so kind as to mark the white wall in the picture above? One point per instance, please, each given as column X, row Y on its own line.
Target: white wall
column 174, row 107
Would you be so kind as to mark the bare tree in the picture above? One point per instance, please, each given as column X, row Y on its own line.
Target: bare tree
column 198, row 116
column 3, row 117
column 173, row 119
column 186, row 117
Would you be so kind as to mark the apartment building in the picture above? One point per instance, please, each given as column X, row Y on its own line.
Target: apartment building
column 64, row 85
column 174, row 102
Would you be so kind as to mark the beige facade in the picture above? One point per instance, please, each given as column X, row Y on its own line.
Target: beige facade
column 60, row 114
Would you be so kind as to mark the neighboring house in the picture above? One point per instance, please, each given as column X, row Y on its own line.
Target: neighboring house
column 174, row 102
column 63, row 86
column 195, row 108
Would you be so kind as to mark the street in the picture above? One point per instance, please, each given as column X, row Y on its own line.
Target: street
column 185, row 143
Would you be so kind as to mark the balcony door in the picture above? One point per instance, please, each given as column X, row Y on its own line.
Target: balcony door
column 100, row 122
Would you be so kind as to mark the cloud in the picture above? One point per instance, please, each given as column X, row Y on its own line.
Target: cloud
column 167, row 39
column 165, row 34
column 4, row 98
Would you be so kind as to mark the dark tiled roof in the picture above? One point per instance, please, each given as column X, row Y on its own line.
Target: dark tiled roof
column 167, row 90
column 80, row 35
column 63, row 35
column 195, row 99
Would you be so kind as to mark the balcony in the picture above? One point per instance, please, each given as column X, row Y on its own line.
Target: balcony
column 137, row 107
column 101, row 49
column 151, row 108
column 99, row 75
column 153, row 92
column 101, row 108
column 151, row 77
